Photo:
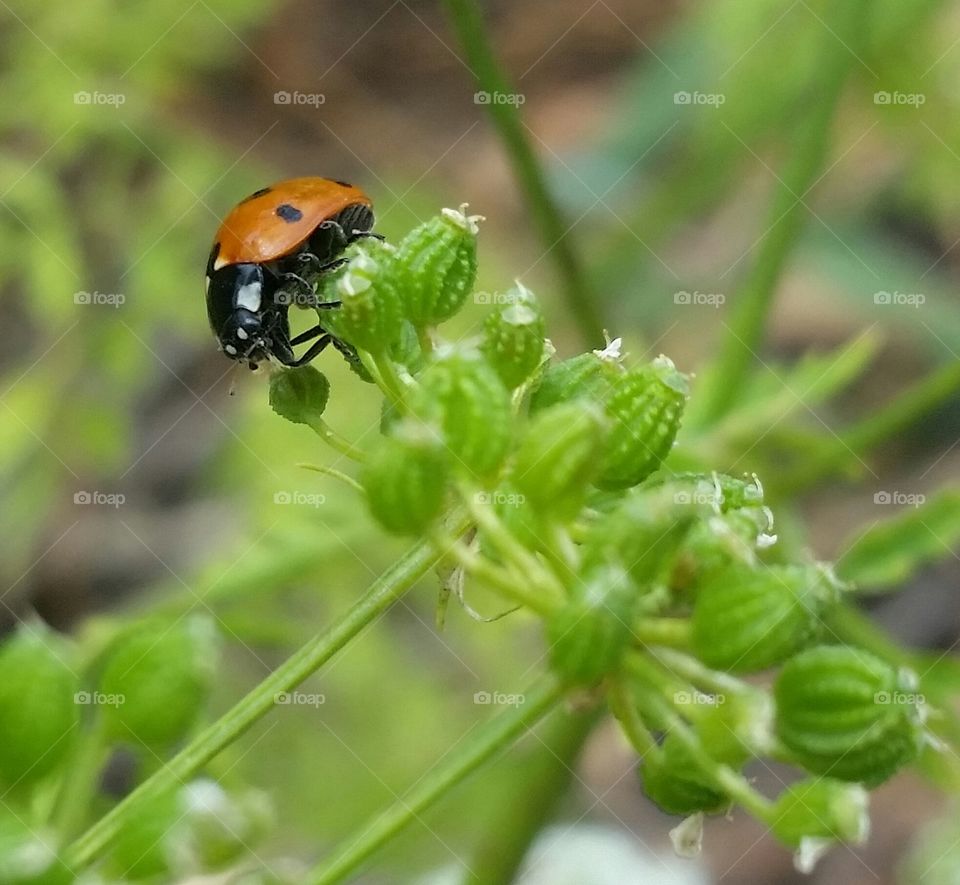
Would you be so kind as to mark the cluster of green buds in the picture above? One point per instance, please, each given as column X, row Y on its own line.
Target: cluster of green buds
column 556, row 484
column 62, row 717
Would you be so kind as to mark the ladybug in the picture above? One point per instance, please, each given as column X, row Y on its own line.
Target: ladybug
column 262, row 255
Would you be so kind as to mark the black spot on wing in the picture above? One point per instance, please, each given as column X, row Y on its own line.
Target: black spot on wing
column 255, row 194
column 288, row 212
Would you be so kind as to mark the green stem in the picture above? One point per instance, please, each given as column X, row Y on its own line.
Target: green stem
column 260, row 701
column 336, row 474
column 472, row 32
column 788, row 211
column 497, row 734
column 542, row 779
column 624, row 707
column 671, row 632
column 898, row 415
column 506, row 583
column 731, row 782
column 80, row 780
column 335, row 441
column 699, row 674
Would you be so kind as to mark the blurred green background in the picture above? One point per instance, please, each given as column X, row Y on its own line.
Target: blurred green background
column 140, row 470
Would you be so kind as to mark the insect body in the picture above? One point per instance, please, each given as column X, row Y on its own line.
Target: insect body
column 261, row 256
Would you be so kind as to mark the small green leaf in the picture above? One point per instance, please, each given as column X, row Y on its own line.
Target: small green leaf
column 891, row 551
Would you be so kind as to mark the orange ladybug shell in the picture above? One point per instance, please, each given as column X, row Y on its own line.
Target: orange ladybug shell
column 275, row 220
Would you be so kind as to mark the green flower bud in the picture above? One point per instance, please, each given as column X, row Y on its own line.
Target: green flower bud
column 223, row 827
column 645, row 408
column 517, row 516
column 38, row 712
column 747, row 619
column 405, row 478
column 587, row 376
column 559, row 456
column 589, row 635
column 821, row 808
column 672, row 780
column 299, row 395
column 437, row 266
column 154, row 841
column 464, row 396
column 845, row 713
column 366, row 287
column 514, row 337
column 160, row 675
column 29, row 857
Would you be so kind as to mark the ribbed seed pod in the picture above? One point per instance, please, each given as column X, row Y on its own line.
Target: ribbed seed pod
column 405, row 478
column 514, row 337
column 437, row 266
column 558, row 457
column 673, row 782
column 747, row 619
column 460, row 393
column 587, row 376
column 821, row 808
column 38, row 706
column 846, row 713
column 645, row 409
column 366, row 287
column 589, row 635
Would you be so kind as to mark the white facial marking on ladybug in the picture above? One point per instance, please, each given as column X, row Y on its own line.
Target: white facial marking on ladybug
column 248, row 297
column 231, row 350
column 242, row 334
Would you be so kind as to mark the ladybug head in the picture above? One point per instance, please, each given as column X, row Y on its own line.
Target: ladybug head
column 242, row 336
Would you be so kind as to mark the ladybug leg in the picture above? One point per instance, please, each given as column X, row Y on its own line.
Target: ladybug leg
column 294, row 289
column 309, row 335
column 313, row 350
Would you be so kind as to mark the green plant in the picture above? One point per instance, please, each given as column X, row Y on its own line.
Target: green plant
column 653, row 587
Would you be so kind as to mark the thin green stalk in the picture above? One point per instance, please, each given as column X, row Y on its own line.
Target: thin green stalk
column 624, row 708
column 734, row 784
column 260, row 701
column 671, row 632
column 80, row 780
column 333, row 472
column 898, row 415
column 543, row 777
column 472, row 32
column 788, row 212
column 335, row 441
column 487, row 740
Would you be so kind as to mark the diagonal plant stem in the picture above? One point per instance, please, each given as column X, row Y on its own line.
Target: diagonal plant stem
column 472, row 32
column 788, row 212
column 389, row 587
column 497, row 734
column 546, row 775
